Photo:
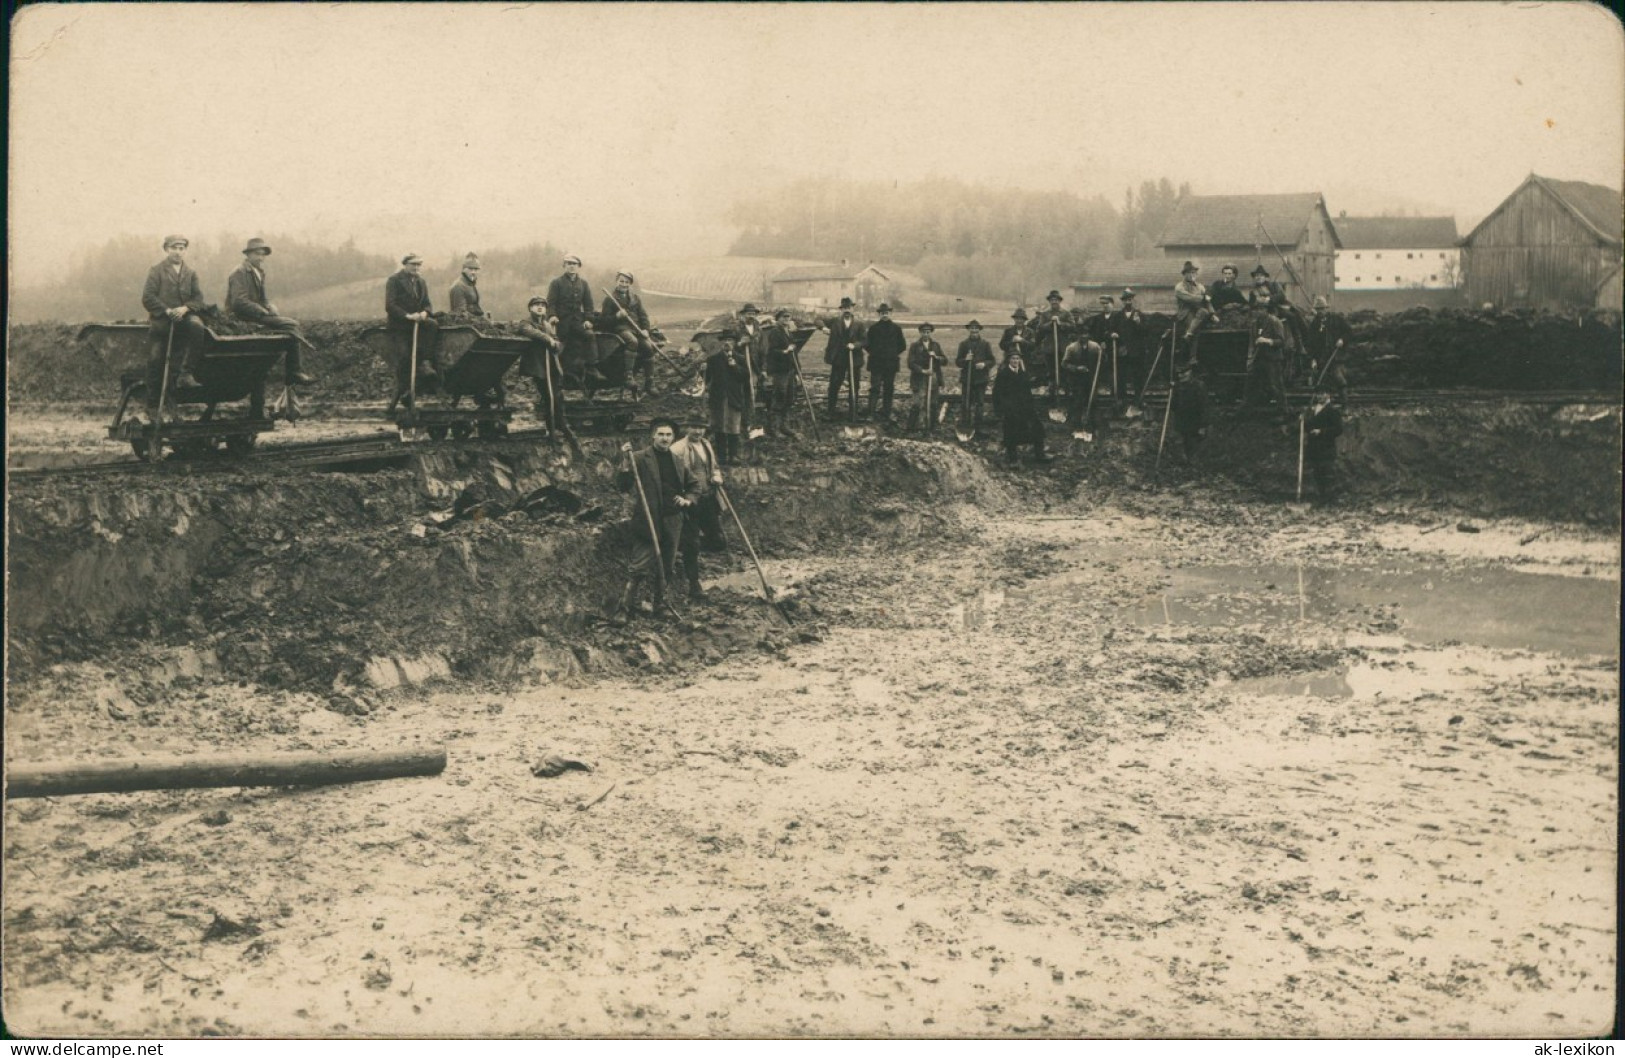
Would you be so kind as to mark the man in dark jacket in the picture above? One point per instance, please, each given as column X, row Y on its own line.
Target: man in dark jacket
column 173, row 297
column 727, row 389
column 1327, row 333
column 246, row 300
column 1225, row 292
column 779, row 369
column 540, row 362
column 925, row 360
column 1018, row 336
column 1323, row 425
column 702, row 523
column 623, row 314
column 1267, row 338
column 1189, row 412
column 884, row 344
column 844, row 354
column 570, row 299
column 975, row 359
column 1084, row 358
column 1013, row 403
column 465, row 293
column 753, row 347
column 654, row 476
column 1126, row 329
column 406, row 303
column 1050, row 330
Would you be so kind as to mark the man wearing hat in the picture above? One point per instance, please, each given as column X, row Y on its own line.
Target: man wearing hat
column 1326, row 333
column 727, row 389
column 778, row 364
column 1189, row 412
column 702, row 523
column 1193, row 306
column 753, row 347
column 1082, row 358
column 668, row 486
column 173, row 297
column 246, row 300
column 406, row 303
column 844, row 354
column 1013, row 403
column 925, row 360
column 1225, row 293
column 1323, row 425
column 885, row 344
column 975, row 359
column 541, row 360
column 1050, row 329
column 1018, row 336
column 1126, row 328
column 465, row 293
column 623, row 315
column 570, row 300
column 1266, row 354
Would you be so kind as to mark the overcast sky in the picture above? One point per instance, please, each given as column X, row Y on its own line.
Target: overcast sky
column 625, row 130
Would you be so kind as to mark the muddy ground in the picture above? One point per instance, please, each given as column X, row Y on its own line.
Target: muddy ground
column 1046, row 752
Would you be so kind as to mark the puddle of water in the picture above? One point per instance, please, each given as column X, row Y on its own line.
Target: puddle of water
column 1488, row 606
column 1413, row 672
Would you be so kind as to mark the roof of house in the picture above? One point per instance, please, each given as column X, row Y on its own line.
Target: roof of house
column 1595, row 206
column 1135, row 272
column 1233, row 220
column 799, row 273
column 1395, row 233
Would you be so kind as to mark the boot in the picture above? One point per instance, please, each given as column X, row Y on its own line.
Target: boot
column 627, row 608
column 733, row 447
column 657, row 608
column 871, row 412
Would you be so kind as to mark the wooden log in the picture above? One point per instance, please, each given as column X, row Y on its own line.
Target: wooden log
column 192, row 773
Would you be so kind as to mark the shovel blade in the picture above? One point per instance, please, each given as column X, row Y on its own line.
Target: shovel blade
column 1082, row 435
column 1057, row 415
column 756, row 433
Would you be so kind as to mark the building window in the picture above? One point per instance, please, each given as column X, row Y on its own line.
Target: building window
column 1356, row 257
column 1433, row 279
column 1356, row 279
column 1441, row 257
column 1378, row 256
column 1407, row 257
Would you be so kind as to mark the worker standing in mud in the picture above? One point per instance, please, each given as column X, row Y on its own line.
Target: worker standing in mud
column 1323, row 425
column 1017, row 337
column 925, row 360
column 753, row 347
column 702, row 523
column 1126, row 328
column 1078, row 371
column 727, row 389
column 246, row 300
column 1327, row 333
column 1189, row 412
column 406, row 303
column 778, row 363
column 1268, row 347
column 570, row 298
column 465, row 292
column 623, row 315
column 661, row 489
column 1050, row 329
column 173, row 297
column 1013, row 403
column 884, row 343
column 975, row 359
column 844, row 354
column 541, row 360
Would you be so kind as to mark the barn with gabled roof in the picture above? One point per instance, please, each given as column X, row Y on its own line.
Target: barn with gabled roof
column 1552, row 244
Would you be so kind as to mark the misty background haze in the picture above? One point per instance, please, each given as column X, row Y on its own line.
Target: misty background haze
column 989, row 150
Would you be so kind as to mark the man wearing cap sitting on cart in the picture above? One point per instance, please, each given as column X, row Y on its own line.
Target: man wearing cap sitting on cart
column 541, row 360
column 246, row 300
column 623, row 315
column 465, row 293
column 779, row 366
column 975, row 359
column 570, row 299
column 406, row 303
column 173, row 297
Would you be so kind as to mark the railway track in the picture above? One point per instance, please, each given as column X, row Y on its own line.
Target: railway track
column 383, row 449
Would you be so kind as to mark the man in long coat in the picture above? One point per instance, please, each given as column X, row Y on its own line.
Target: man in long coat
column 925, row 360
column 975, row 359
column 1013, row 403
column 540, row 361
column 702, row 523
column 173, row 297
column 246, row 300
column 465, row 293
column 884, row 344
column 1323, row 425
column 654, row 476
column 727, row 389
column 406, row 303
column 1267, row 338
column 779, row 367
column 570, row 299
column 844, row 354
column 623, row 315
column 1326, row 333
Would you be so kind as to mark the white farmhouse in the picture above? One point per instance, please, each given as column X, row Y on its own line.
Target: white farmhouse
column 1397, row 253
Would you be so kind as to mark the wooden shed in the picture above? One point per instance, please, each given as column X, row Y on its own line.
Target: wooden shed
column 824, row 285
column 1553, row 244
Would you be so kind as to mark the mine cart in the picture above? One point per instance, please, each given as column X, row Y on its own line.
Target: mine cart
column 478, row 364
column 233, row 369
column 1221, row 359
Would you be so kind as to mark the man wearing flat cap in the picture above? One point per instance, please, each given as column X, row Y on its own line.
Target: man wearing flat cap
column 779, row 364
column 1018, row 336
column 623, row 315
column 406, row 303
column 753, row 346
column 925, row 360
column 246, row 300
column 885, row 344
column 975, row 359
column 570, row 299
column 541, row 361
column 465, row 293
column 844, row 354
column 173, row 297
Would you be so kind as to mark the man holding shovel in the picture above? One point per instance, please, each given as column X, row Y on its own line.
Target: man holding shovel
column 925, row 359
column 623, row 315
column 173, row 298
column 1322, row 426
column 779, row 366
column 664, row 489
column 975, row 359
column 411, row 326
column 541, row 361
column 844, row 355
column 1188, row 408
column 727, row 388
column 702, row 523
column 1081, row 372
column 1328, row 335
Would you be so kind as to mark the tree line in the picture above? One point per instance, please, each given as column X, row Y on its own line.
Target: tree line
column 962, row 238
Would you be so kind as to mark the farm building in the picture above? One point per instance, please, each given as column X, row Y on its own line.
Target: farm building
column 1396, row 263
column 1246, row 230
column 1552, row 244
column 823, row 286
column 1151, row 278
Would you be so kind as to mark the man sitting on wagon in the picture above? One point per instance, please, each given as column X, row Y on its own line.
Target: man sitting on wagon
column 173, row 297
column 465, row 293
column 570, row 298
column 406, row 302
column 624, row 316
column 246, row 300
column 541, row 361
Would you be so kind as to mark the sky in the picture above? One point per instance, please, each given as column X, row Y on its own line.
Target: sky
column 624, row 131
